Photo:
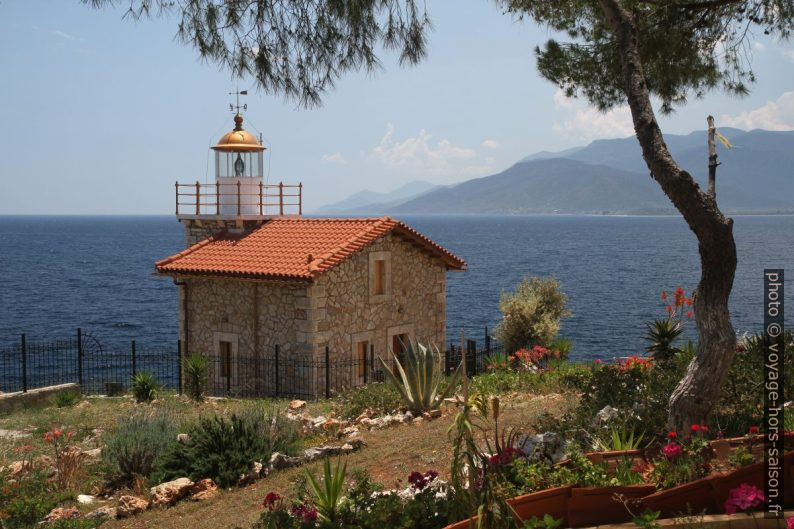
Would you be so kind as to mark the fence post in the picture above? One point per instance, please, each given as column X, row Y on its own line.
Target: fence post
column 447, row 369
column 179, row 366
column 277, row 388
column 327, row 373
column 133, row 359
column 487, row 342
column 471, row 356
column 365, row 362
column 24, row 351
column 80, row 357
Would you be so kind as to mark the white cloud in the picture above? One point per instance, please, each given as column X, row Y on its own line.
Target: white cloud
column 585, row 123
column 334, row 158
column 419, row 153
column 491, row 144
column 774, row 115
column 759, row 46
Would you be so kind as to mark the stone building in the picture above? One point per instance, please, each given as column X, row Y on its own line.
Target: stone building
column 261, row 285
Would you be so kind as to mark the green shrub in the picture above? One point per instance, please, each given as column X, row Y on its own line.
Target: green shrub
column 195, row 369
column 66, row 399
column 563, row 345
column 380, row 397
column 144, row 387
column 28, row 500
column 531, row 315
column 136, row 445
column 224, row 448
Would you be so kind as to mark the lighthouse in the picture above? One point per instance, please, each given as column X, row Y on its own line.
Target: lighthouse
column 239, row 200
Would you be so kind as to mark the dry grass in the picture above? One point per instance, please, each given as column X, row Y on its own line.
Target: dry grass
column 390, row 455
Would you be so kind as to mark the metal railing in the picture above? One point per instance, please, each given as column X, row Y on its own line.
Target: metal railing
column 239, row 199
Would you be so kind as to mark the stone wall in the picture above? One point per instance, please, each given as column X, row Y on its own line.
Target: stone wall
column 343, row 310
column 254, row 317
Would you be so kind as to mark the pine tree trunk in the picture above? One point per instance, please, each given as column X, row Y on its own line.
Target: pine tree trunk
column 699, row 390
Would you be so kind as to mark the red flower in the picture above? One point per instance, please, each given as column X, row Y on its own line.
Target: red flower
column 664, row 295
column 597, row 361
column 672, row 450
column 704, row 428
column 305, row 512
column 689, row 314
column 744, row 498
column 671, row 435
column 753, row 430
column 271, row 500
column 740, row 348
column 695, row 427
column 669, row 309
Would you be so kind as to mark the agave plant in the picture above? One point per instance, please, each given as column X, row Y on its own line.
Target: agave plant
column 144, row 387
column 328, row 494
column 661, row 335
column 420, row 374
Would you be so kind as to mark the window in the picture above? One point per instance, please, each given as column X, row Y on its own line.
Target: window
column 380, row 278
column 225, row 350
column 361, row 355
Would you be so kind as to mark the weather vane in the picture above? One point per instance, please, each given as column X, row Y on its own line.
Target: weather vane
column 237, row 107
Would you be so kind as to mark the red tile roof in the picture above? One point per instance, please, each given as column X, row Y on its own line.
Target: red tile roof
column 293, row 248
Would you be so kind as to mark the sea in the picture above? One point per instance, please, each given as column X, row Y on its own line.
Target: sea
column 58, row 273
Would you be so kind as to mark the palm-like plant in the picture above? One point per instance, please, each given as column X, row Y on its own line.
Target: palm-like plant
column 661, row 335
column 328, row 494
column 420, row 374
column 196, row 372
column 144, row 387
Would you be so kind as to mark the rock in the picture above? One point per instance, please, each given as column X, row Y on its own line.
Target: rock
column 606, row 414
column 95, row 453
column 279, row 461
column 170, row 492
column 61, row 513
column 83, row 404
column 103, row 513
column 203, row 490
column 366, row 414
column 297, row 405
column 548, row 447
column 350, row 431
column 255, row 471
column 85, row 499
column 432, row 414
column 182, row 438
column 409, row 416
column 332, row 424
column 15, row 467
column 13, row 434
column 130, row 506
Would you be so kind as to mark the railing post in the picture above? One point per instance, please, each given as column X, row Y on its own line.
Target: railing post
column 281, row 198
column 238, row 198
column 277, row 384
column 133, row 359
column 300, row 198
column 24, row 350
column 217, row 197
column 80, row 357
column 487, row 342
column 261, row 191
column 447, row 367
column 198, row 198
column 327, row 373
column 176, row 195
column 179, row 366
column 365, row 362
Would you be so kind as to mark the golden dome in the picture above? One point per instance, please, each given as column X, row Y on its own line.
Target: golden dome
column 238, row 139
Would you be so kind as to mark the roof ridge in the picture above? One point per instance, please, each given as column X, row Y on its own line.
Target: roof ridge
column 370, row 224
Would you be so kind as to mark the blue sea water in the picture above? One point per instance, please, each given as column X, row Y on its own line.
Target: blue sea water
column 60, row 273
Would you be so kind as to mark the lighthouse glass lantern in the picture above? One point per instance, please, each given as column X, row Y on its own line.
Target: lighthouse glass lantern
column 239, row 171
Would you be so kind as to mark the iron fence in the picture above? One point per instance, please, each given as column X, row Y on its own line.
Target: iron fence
column 110, row 371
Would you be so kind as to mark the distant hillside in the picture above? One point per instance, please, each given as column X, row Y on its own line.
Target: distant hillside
column 610, row 176
column 373, row 201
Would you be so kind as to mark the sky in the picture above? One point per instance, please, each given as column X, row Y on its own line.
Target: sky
column 101, row 115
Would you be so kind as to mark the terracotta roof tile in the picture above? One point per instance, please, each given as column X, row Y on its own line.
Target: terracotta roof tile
column 293, row 248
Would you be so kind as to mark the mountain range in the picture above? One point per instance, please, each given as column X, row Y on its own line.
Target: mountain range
column 605, row 177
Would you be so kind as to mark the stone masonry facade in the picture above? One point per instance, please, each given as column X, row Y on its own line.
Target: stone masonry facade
column 339, row 309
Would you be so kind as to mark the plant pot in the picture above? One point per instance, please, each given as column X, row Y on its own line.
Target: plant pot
column 589, row 506
column 550, row 501
column 464, row 524
column 695, row 497
column 788, row 479
column 724, row 483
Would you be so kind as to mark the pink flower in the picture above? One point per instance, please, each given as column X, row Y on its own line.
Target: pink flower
column 305, row 512
column 597, row 361
column 744, row 498
column 271, row 500
column 672, row 450
column 790, row 523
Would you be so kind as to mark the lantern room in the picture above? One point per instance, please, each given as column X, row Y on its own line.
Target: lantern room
column 239, row 154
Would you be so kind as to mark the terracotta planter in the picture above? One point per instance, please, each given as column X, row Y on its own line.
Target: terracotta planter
column 724, row 483
column 697, row 495
column 463, row 524
column 788, row 477
column 589, row 506
column 549, row 501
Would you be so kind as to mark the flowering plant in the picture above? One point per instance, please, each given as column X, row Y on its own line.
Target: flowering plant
column 683, row 460
column 744, row 498
column 536, row 358
column 280, row 514
column 68, row 458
